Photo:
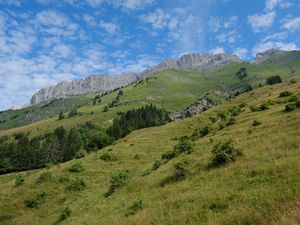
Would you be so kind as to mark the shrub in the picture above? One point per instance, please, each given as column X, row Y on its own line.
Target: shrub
column 293, row 81
column 222, row 115
column 293, row 98
column 184, row 145
column 285, row 94
column 235, row 111
column 73, row 113
column 156, row 165
column 66, row 213
column 134, row 208
column 221, row 126
column 76, row 168
column 253, row 108
column 105, row 109
column 76, row 185
column 44, row 176
column 108, row 157
column 256, row 123
column 201, row 132
column 63, row 179
column 180, row 170
column 19, row 181
column 117, row 181
column 231, row 121
column 224, row 152
column 169, row 155
column 290, row 107
column 35, row 201
column 264, row 106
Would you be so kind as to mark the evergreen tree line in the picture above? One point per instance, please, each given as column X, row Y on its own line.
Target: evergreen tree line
column 24, row 153
column 147, row 116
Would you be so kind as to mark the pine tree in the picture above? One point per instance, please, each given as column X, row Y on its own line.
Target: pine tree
column 61, row 115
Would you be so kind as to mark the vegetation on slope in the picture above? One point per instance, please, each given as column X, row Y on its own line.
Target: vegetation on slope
column 170, row 89
column 259, row 186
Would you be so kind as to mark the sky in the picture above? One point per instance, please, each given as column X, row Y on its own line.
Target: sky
column 43, row 42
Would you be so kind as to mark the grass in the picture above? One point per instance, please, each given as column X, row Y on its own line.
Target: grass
column 259, row 187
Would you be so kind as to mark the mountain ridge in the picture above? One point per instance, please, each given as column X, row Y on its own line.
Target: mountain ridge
column 103, row 83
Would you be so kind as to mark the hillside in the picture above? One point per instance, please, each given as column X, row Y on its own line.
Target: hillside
column 170, row 89
column 259, row 187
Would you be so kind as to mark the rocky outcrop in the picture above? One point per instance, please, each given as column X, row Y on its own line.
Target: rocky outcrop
column 264, row 56
column 105, row 83
column 90, row 84
column 198, row 107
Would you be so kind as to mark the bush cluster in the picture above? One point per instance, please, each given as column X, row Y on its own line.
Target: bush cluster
column 76, row 185
column 117, row 181
column 134, row 208
column 76, row 168
column 108, row 157
column 184, row 146
column 35, row 201
column 44, row 176
column 19, row 181
column 224, row 152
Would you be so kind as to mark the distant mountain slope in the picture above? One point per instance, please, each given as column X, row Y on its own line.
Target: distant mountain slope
column 260, row 187
column 105, row 83
column 171, row 89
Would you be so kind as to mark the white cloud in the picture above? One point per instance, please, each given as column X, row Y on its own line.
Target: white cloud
column 55, row 23
column 11, row 2
column 159, row 19
column 276, row 36
column 292, row 24
column 216, row 24
column 217, row 50
column 132, row 4
column 61, row 51
column 264, row 46
column 272, row 4
column 111, row 28
column 261, row 22
column 229, row 37
column 241, row 52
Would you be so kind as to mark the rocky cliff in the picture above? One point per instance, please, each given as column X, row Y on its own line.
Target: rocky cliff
column 105, row 83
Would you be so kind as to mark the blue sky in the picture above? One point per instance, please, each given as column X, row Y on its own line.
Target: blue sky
column 43, row 42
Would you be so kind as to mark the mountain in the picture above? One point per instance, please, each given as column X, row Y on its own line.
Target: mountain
column 199, row 62
column 178, row 91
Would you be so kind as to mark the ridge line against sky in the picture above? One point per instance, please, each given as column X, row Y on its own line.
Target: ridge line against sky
column 43, row 42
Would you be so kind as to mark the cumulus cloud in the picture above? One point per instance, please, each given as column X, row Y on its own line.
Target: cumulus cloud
column 260, row 22
column 276, row 36
column 292, row 24
column 229, row 37
column 218, row 50
column 109, row 27
column 271, row 4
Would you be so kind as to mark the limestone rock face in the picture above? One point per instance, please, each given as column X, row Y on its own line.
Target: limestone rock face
column 90, row 84
column 105, row 83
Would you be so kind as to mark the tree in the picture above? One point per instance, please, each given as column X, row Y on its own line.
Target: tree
column 73, row 145
column 61, row 115
column 273, row 80
column 105, row 109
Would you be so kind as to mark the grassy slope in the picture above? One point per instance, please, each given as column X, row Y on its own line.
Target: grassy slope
column 172, row 90
column 261, row 187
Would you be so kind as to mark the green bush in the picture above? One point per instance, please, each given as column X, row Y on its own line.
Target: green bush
column 201, row 132
column 293, row 98
column 184, row 146
column 180, row 170
column 108, row 157
column 19, row 181
column 35, row 201
column 290, row 107
column 134, row 208
column 218, row 205
column 230, row 121
column 285, row 94
column 76, row 185
column 117, row 181
column 224, row 152
column 80, row 154
column 264, row 106
column 156, row 165
column 235, row 111
column 256, row 123
column 66, row 213
column 44, row 176
column 76, row 168
column 253, row 108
